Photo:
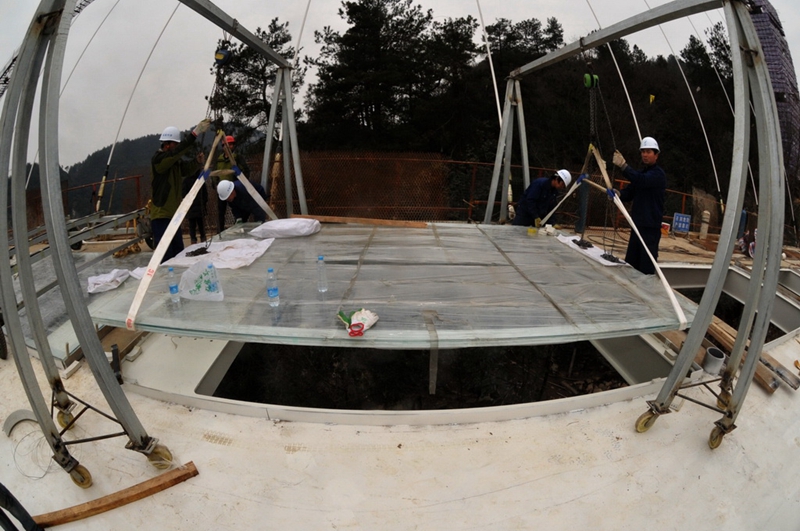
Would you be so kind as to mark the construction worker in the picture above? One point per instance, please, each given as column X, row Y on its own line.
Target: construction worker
column 242, row 203
column 168, row 171
column 647, row 190
column 540, row 198
column 224, row 172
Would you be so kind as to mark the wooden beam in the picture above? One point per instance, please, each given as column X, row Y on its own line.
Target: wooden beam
column 118, row 499
column 725, row 334
column 366, row 221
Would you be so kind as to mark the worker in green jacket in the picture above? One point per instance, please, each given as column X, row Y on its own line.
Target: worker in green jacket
column 168, row 170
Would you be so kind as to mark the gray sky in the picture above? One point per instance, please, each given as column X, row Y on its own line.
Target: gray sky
column 177, row 78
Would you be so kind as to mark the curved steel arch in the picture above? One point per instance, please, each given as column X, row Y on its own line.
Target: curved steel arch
column 751, row 84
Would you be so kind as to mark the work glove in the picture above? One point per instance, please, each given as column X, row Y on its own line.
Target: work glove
column 581, row 177
column 201, row 127
column 612, row 192
column 618, row 160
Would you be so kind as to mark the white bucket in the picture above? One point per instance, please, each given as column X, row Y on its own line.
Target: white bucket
column 712, row 363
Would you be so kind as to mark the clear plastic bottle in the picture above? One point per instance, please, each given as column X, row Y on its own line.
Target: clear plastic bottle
column 272, row 288
column 322, row 275
column 213, row 285
column 172, row 281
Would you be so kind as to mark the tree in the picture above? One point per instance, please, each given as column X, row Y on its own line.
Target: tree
column 244, row 87
column 720, row 50
column 521, row 42
column 385, row 81
column 370, row 76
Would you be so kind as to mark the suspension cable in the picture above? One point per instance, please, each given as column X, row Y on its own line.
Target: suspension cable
column 74, row 16
column 619, row 73
column 491, row 64
column 730, row 105
column 697, row 110
column 127, row 106
column 296, row 59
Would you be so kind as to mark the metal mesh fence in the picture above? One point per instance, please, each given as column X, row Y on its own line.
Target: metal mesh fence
column 397, row 186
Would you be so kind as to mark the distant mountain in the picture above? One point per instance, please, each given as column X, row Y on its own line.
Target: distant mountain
column 131, row 157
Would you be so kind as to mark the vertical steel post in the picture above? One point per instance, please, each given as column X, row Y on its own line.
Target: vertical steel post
column 523, row 137
column 498, row 158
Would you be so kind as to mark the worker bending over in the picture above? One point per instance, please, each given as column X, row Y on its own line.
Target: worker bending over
column 242, row 203
column 540, row 198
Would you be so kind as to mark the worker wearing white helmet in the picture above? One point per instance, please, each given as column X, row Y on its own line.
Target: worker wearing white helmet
column 225, row 170
column 242, row 203
column 168, row 171
column 647, row 190
column 540, row 198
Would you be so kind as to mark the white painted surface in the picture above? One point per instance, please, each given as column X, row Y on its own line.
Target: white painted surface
column 587, row 469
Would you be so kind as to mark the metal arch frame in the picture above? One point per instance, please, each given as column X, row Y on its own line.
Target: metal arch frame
column 14, row 110
column 282, row 95
column 45, row 43
column 751, row 82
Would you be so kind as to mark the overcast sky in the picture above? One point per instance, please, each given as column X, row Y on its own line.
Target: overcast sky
column 177, row 78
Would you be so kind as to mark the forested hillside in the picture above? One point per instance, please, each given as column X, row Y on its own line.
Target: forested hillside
column 400, row 79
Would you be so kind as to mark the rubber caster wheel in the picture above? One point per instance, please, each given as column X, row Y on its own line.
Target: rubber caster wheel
column 161, row 457
column 715, row 439
column 723, row 399
column 81, row 477
column 645, row 421
column 64, row 418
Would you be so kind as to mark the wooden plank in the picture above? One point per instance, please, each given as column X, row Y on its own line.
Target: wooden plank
column 118, row 499
column 725, row 334
column 366, row 221
column 124, row 339
column 766, row 359
column 778, row 368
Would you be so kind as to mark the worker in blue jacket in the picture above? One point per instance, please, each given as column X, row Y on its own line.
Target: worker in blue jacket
column 647, row 190
column 540, row 198
column 242, row 203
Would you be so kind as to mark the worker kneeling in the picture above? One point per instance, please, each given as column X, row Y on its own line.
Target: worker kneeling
column 540, row 198
column 242, row 204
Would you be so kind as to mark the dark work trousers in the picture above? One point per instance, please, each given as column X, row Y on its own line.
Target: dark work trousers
column 636, row 254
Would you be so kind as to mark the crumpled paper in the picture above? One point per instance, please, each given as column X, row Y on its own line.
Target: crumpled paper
column 107, row 281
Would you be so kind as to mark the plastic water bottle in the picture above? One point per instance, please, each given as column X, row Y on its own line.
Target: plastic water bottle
column 272, row 288
column 172, row 280
column 213, row 286
column 322, row 275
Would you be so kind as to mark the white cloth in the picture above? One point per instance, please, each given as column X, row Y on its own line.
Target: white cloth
column 108, row 281
column 595, row 253
column 286, row 228
column 139, row 272
column 231, row 254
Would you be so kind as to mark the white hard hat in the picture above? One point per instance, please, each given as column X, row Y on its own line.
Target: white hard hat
column 224, row 189
column 171, row 134
column 649, row 142
column 565, row 176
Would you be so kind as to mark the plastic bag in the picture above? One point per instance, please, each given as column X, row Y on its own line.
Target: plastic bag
column 201, row 283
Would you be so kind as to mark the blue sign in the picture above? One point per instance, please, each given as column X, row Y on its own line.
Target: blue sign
column 681, row 222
